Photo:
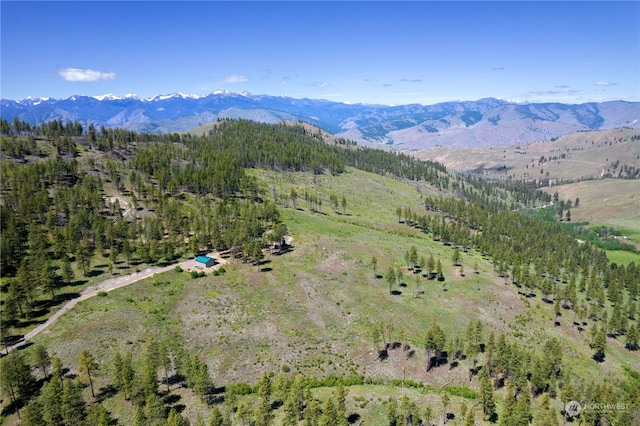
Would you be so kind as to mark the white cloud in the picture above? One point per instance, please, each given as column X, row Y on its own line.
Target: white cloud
column 604, row 83
column 76, row 74
column 236, row 79
column 318, row 84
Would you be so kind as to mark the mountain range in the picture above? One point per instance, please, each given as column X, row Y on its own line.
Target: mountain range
column 485, row 122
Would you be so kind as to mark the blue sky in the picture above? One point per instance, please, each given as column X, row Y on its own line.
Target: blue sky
column 367, row 52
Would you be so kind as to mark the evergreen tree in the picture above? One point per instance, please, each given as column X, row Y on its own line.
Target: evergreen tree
column 523, row 409
column 87, row 367
column 546, row 415
column 341, row 405
column 599, row 345
column 486, row 394
column 215, row 417
column 469, row 419
column 32, row 415
column 176, row 419
column 51, row 401
column 262, row 413
column 41, row 358
column 73, row 410
column 632, row 338
column 329, row 415
column 390, row 278
column 312, row 413
column 427, row 414
column 392, row 411
column 154, row 410
column 508, row 413
column 98, row 416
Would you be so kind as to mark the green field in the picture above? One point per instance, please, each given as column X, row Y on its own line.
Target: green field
column 311, row 309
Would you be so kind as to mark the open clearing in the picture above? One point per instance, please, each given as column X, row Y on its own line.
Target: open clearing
column 311, row 309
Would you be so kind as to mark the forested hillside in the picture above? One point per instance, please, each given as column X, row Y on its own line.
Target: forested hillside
column 361, row 287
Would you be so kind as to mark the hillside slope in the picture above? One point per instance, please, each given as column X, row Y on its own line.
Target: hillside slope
column 480, row 123
column 576, row 156
column 410, row 277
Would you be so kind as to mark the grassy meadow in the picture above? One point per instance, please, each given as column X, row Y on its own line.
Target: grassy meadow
column 310, row 310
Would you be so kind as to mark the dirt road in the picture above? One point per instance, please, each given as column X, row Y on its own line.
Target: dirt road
column 112, row 284
column 91, row 291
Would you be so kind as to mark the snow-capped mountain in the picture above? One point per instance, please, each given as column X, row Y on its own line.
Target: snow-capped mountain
column 483, row 122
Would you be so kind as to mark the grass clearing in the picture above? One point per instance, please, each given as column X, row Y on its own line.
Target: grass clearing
column 311, row 308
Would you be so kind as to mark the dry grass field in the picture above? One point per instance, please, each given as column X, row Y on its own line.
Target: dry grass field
column 582, row 155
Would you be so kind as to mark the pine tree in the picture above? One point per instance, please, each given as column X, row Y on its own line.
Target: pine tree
column 215, row 418
column 390, row 278
column 154, row 410
column 73, row 410
column 329, row 415
column 98, row 416
column 41, row 358
column 523, row 408
column 486, row 394
column 546, row 415
column 631, row 342
column 599, row 345
column 427, row 414
column 469, row 419
column 51, row 401
column 392, row 411
column 341, row 405
column 290, row 411
column 508, row 413
column 87, row 367
column 445, row 400
column 32, row 415
column 176, row 419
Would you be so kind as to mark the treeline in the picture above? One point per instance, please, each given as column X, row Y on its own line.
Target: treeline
column 539, row 256
column 44, row 392
column 58, row 223
column 531, row 252
column 523, row 375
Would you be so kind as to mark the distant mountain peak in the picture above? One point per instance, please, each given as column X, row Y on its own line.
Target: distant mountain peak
column 112, row 97
column 484, row 122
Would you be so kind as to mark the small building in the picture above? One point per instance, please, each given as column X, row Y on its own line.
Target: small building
column 206, row 261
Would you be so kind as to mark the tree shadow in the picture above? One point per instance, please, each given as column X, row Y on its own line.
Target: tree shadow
column 105, row 393
column 94, row 273
column 395, row 293
column 353, row 418
column 172, row 399
column 179, row 408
